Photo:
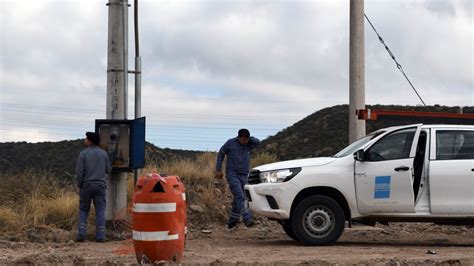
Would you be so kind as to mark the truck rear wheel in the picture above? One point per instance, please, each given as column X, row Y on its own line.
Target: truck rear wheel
column 318, row 220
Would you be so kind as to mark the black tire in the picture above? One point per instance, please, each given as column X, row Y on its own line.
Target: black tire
column 318, row 220
column 288, row 228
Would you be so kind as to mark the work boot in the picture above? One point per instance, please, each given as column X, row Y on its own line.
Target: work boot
column 249, row 223
column 80, row 239
column 231, row 225
column 102, row 240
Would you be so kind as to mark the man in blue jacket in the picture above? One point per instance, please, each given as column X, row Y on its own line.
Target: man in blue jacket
column 237, row 151
column 92, row 168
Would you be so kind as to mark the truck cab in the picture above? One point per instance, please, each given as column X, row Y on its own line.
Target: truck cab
column 422, row 173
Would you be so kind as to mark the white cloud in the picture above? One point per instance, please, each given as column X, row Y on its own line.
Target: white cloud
column 210, row 67
column 31, row 134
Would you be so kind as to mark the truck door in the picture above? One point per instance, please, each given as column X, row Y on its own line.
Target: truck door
column 384, row 178
column 451, row 171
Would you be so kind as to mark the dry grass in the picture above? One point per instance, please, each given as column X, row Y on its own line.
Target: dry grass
column 61, row 210
column 202, row 189
column 198, row 177
column 263, row 158
column 201, row 167
column 38, row 199
column 8, row 219
column 33, row 199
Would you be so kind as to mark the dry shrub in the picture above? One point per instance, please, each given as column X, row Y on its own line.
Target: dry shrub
column 200, row 167
column 215, row 198
column 38, row 199
column 212, row 195
column 61, row 210
column 8, row 219
column 33, row 211
column 31, row 199
column 201, row 188
column 262, row 158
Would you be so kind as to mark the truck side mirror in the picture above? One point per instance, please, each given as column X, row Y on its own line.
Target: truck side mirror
column 359, row 155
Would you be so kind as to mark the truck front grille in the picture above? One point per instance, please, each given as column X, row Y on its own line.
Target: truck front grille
column 254, row 177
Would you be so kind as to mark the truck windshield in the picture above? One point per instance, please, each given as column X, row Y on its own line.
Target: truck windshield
column 354, row 146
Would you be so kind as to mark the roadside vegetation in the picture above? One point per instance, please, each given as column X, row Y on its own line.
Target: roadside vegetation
column 32, row 199
column 35, row 199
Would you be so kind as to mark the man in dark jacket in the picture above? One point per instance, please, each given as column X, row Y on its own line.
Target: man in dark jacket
column 92, row 168
column 237, row 151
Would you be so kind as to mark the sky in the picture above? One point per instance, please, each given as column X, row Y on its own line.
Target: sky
column 213, row 67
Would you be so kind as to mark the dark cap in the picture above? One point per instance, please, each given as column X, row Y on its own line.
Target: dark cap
column 93, row 137
column 244, row 133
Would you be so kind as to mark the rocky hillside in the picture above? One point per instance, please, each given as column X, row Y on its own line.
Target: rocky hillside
column 325, row 132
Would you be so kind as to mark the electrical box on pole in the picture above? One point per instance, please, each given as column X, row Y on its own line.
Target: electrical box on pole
column 124, row 141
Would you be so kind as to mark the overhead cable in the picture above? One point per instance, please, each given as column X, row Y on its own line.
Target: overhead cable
column 399, row 66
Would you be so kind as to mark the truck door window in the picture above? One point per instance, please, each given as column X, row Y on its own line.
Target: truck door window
column 418, row 162
column 358, row 144
column 394, row 146
column 454, row 145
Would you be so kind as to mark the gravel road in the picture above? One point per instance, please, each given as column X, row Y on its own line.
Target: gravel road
column 396, row 244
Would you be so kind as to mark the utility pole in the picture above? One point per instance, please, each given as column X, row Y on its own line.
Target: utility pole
column 117, row 90
column 356, row 71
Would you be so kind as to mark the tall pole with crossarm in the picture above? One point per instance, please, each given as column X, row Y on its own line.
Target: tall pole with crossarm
column 356, row 70
column 117, row 90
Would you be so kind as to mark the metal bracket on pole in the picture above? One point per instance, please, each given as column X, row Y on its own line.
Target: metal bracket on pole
column 134, row 72
column 114, row 70
column 125, row 55
column 117, row 4
column 138, row 76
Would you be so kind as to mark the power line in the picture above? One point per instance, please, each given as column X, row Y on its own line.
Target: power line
column 158, row 141
column 61, row 124
column 161, row 123
column 399, row 66
column 54, row 110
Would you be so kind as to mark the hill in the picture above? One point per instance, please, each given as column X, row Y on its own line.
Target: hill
column 326, row 131
column 322, row 133
column 59, row 158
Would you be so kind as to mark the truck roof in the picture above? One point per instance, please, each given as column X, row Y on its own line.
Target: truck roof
column 449, row 126
column 471, row 127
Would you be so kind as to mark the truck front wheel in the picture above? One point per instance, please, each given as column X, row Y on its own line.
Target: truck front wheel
column 318, row 220
column 288, row 228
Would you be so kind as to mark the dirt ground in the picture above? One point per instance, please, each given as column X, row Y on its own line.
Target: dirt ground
column 266, row 244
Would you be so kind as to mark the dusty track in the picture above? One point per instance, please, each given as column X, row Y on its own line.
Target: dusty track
column 396, row 244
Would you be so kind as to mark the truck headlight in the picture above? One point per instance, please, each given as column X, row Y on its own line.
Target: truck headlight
column 281, row 175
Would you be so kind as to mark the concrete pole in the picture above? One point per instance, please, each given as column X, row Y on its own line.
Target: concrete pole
column 356, row 72
column 117, row 78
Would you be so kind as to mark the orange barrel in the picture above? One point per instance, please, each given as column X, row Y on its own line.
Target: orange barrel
column 159, row 219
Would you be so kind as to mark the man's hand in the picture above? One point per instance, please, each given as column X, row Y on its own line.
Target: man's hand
column 219, row 174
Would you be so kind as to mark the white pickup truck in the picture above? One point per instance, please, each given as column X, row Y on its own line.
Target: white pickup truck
column 415, row 173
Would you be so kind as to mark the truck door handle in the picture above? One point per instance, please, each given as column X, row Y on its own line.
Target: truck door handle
column 402, row 168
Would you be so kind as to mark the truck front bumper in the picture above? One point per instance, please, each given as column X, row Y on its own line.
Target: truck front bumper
column 272, row 200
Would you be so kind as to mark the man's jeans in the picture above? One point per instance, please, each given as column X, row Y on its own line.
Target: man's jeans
column 95, row 193
column 236, row 184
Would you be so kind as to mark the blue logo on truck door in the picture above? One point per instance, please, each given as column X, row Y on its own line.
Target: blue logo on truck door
column 382, row 187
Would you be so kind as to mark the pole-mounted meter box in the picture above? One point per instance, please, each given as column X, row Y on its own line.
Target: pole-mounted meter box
column 124, row 141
